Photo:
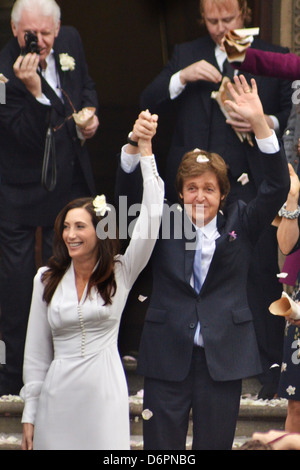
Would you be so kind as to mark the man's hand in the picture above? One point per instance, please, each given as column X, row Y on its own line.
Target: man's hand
column 201, row 70
column 89, row 131
column 240, row 125
column 25, row 69
column 247, row 105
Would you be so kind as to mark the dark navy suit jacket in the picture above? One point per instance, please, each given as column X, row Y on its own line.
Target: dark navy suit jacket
column 221, row 307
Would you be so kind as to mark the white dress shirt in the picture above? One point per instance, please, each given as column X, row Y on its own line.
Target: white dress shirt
column 52, row 78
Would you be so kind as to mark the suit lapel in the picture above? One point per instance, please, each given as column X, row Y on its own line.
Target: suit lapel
column 188, row 240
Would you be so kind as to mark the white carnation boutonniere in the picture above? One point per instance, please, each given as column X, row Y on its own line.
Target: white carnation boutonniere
column 100, row 205
column 66, row 62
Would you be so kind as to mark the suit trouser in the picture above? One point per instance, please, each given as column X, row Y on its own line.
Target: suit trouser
column 17, row 270
column 215, row 408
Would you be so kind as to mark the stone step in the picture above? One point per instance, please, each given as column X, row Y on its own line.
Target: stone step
column 255, row 415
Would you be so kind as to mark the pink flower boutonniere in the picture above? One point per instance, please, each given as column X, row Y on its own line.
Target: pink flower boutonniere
column 232, row 236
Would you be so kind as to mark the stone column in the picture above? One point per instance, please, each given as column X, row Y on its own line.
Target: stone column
column 286, row 24
column 295, row 34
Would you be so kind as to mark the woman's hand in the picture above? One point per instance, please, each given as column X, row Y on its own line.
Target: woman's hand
column 27, row 438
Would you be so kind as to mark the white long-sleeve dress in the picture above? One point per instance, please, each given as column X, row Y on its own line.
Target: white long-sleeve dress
column 75, row 389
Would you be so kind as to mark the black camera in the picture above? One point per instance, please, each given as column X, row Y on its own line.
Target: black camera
column 31, row 43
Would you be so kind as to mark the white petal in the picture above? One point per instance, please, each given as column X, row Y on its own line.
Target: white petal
column 243, row 179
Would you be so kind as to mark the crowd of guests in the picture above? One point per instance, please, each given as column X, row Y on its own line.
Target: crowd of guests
column 208, row 325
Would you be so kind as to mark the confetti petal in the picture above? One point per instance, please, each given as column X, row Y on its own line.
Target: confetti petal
column 202, row 158
column 243, row 179
column 147, row 414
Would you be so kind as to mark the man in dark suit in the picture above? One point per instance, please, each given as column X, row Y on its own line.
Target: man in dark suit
column 184, row 88
column 198, row 340
column 43, row 90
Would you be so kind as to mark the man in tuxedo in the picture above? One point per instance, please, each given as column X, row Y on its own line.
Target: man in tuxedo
column 198, row 340
column 43, row 91
column 184, row 88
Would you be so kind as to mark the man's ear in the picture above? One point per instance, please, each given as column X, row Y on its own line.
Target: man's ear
column 14, row 29
column 57, row 29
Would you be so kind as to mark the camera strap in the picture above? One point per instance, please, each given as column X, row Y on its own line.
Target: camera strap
column 49, row 160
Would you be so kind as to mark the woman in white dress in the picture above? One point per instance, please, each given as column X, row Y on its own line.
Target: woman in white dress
column 75, row 390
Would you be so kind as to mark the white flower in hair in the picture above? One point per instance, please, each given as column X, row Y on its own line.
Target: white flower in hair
column 66, row 62
column 100, row 205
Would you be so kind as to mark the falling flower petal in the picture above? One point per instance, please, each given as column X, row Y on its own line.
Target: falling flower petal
column 243, row 179
column 283, row 367
column 147, row 414
column 282, row 275
column 202, row 158
column 142, row 298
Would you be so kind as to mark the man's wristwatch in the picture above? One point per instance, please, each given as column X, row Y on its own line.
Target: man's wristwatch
column 130, row 141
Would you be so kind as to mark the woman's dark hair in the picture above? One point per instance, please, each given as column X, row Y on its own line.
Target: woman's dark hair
column 103, row 277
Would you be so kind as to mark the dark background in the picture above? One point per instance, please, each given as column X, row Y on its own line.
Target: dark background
column 127, row 42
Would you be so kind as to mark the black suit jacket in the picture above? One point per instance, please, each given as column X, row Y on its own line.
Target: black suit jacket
column 222, row 306
column 199, row 122
column 23, row 125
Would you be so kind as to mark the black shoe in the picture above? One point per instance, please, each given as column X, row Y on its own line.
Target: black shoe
column 270, row 384
column 268, row 392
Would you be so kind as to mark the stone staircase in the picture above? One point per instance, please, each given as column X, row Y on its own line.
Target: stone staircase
column 255, row 415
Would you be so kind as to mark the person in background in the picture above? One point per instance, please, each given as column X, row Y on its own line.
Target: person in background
column 289, row 240
column 184, row 88
column 273, row 440
column 287, row 66
column 43, row 91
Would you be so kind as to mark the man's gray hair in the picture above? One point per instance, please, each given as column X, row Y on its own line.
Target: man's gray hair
column 45, row 7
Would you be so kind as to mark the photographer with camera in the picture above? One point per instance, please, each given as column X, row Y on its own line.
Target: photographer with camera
column 48, row 82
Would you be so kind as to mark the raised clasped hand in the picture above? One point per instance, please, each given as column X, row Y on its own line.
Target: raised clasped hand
column 144, row 130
